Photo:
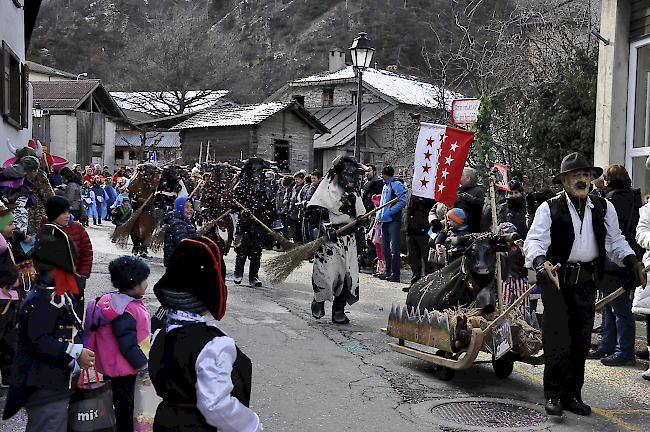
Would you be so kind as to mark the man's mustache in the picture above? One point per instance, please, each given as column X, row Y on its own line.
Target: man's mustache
column 581, row 185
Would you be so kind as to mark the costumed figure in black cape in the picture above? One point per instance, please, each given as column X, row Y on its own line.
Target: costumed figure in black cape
column 201, row 375
column 335, row 203
column 254, row 193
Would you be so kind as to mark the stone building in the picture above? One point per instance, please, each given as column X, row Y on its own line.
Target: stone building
column 623, row 95
column 282, row 132
column 392, row 104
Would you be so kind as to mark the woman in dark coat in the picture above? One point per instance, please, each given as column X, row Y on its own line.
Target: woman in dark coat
column 180, row 225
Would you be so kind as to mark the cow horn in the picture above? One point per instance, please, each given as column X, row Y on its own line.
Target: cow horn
column 12, row 149
column 39, row 149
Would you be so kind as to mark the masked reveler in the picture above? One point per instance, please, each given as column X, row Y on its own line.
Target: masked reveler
column 335, row 203
column 254, row 193
column 576, row 230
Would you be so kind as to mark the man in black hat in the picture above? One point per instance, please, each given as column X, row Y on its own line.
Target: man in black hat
column 576, row 230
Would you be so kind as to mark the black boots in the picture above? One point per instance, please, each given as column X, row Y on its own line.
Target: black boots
column 338, row 311
column 553, row 407
column 577, row 406
column 317, row 309
column 240, row 261
column 94, row 221
column 253, row 271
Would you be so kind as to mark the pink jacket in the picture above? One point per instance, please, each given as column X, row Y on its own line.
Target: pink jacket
column 100, row 336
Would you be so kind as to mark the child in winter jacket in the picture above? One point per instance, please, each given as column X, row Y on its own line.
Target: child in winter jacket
column 57, row 210
column 180, row 225
column 117, row 328
column 9, row 298
column 89, row 202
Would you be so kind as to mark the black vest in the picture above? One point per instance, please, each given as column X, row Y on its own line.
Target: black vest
column 562, row 235
column 172, row 364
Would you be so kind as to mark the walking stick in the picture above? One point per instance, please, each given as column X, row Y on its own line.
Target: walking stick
column 211, row 224
column 280, row 267
column 613, row 296
column 284, row 243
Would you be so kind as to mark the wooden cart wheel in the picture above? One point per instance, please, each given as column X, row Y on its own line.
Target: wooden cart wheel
column 503, row 367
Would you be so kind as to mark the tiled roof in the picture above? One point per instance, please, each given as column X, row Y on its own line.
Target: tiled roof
column 403, row 89
column 342, row 122
column 245, row 115
column 167, row 139
column 62, row 94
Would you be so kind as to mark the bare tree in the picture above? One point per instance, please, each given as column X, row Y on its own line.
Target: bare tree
column 148, row 141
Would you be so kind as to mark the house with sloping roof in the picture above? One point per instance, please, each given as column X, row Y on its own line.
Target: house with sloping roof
column 129, row 143
column 17, row 20
column 79, row 120
column 392, row 105
column 279, row 131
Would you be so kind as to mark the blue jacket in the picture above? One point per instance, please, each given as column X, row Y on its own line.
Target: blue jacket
column 392, row 189
column 111, row 193
column 42, row 365
column 179, row 228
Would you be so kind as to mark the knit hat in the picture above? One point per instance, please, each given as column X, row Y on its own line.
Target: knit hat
column 55, row 206
column 506, row 228
column 456, row 218
column 195, row 278
column 128, row 272
column 179, row 204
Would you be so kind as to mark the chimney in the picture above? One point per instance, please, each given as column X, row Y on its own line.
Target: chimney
column 391, row 68
column 336, row 60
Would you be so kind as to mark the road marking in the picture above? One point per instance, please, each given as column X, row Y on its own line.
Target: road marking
column 609, row 414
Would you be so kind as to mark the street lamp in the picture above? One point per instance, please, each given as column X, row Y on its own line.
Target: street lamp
column 361, row 52
column 37, row 111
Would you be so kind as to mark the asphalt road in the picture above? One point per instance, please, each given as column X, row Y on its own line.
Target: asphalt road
column 312, row 375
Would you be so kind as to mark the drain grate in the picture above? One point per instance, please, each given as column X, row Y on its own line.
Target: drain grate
column 492, row 414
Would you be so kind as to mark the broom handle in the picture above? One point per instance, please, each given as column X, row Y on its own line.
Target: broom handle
column 370, row 213
column 255, row 218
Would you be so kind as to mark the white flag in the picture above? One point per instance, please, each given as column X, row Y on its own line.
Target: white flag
column 426, row 159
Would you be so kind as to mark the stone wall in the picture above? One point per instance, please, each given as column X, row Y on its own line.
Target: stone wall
column 288, row 127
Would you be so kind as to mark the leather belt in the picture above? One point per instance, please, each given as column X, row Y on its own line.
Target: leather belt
column 577, row 273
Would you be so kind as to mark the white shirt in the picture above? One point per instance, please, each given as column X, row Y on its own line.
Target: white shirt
column 585, row 248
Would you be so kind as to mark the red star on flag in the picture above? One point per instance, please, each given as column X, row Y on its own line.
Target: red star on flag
column 427, row 155
column 430, row 142
column 426, row 168
column 424, row 183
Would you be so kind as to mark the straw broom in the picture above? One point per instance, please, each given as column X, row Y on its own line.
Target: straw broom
column 121, row 234
column 281, row 266
column 284, row 243
column 207, row 227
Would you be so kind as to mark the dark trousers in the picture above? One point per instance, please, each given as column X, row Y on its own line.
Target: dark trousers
column 50, row 417
column 296, row 230
column 8, row 333
column 390, row 232
column 123, row 389
column 79, row 304
column 619, row 327
column 566, row 337
column 418, row 255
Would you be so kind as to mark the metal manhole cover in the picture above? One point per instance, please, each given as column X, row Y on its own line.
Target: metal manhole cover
column 488, row 413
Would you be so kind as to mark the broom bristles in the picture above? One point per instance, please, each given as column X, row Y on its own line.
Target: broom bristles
column 121, row 234
column 158, row 238
column 281, row 266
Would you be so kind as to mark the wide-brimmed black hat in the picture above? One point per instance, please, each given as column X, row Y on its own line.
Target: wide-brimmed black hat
column 53, row 247
column 195, row 268
column 573, row 162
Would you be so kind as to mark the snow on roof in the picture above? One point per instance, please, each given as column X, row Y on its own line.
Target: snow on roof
column 161, row 103
column 245, row 115
column 162, row 139
column 404, row 89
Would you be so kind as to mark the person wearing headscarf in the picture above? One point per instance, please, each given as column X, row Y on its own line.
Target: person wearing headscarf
column 180, row 225
column 203, row 378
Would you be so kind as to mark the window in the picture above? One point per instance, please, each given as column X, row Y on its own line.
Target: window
column 281, row 154
column 353, row 98
column 327, row 98
column 13, row 89
column 119, row 154
column 132, row 155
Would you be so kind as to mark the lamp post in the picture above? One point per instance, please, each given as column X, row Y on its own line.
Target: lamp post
column 361, row 52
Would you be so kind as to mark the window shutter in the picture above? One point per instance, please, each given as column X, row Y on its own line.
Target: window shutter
column 6, row 80
column 24, row 97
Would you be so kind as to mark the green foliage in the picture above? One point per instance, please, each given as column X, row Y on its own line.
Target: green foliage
column 482, row 154
column 561, row 114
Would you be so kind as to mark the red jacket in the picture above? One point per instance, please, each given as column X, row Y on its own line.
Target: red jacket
column 84, row 260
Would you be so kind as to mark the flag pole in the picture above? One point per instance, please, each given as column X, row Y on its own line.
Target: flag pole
column 493, row 205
